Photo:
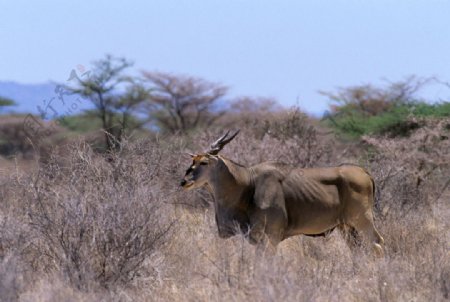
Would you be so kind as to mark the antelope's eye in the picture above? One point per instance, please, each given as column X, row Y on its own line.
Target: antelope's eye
column 203, row 163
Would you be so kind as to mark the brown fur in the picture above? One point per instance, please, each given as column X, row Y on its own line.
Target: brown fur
column 273, row 201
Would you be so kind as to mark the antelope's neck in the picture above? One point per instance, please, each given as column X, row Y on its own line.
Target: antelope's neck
column 231, row 184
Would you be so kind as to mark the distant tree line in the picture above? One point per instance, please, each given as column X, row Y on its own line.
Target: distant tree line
column 173, row 103
column 163, row 101
column 177, row 104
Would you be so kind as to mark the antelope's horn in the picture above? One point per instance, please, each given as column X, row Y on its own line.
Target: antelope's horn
column 221, row 142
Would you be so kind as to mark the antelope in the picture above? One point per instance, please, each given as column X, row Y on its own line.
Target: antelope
column 271, row 201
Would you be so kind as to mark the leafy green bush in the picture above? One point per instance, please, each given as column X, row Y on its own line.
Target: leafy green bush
column 392, row 109
column 398, row 121
column 88, row 121
column 433, row 110
column 81, row 123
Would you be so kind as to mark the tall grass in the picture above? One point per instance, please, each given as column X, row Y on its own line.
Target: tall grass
column 116, row 227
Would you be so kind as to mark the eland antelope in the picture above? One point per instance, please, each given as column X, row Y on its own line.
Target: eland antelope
column 271, row 201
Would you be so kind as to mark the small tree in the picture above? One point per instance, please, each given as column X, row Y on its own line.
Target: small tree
column 181, row 103
column 367, row 109
column 370, row 101
column 252, row 112
column 114, row 96
column 248, row 105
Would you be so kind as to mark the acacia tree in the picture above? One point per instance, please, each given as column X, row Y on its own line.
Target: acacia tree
column 370, row 101
column 365, row 109
column 114, row 95
column 180, row 103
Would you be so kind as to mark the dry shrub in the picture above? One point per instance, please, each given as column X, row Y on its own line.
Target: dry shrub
column 117, row 227
column 11, row 283
column 412, row 172
column 95, row 220
column 286, row 136
column 207, row 268
column 13, row 138
column 23, row 136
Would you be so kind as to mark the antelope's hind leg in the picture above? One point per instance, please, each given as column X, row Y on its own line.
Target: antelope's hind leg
column 358, row 214
column 365, row 227
column 351, row 237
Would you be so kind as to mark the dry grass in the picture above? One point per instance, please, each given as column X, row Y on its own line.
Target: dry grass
column 116, row 227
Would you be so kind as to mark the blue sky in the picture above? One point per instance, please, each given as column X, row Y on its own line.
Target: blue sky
column 283, row 49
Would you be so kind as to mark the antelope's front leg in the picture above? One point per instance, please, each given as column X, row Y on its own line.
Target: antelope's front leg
column 267, row 228
column 268, row 218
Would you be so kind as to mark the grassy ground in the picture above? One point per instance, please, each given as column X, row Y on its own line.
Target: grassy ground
column 91, row 227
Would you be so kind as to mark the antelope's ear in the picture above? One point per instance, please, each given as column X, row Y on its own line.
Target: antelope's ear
column 189, row 154
column 211, row 157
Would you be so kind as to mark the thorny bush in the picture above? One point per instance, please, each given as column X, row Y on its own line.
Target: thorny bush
column 96, row 219
column 116, row 227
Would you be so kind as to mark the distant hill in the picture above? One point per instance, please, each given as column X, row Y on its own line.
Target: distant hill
column 34, row 98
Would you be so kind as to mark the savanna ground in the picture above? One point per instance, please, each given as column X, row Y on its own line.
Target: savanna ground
column 86, row 226
column 81, row 223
